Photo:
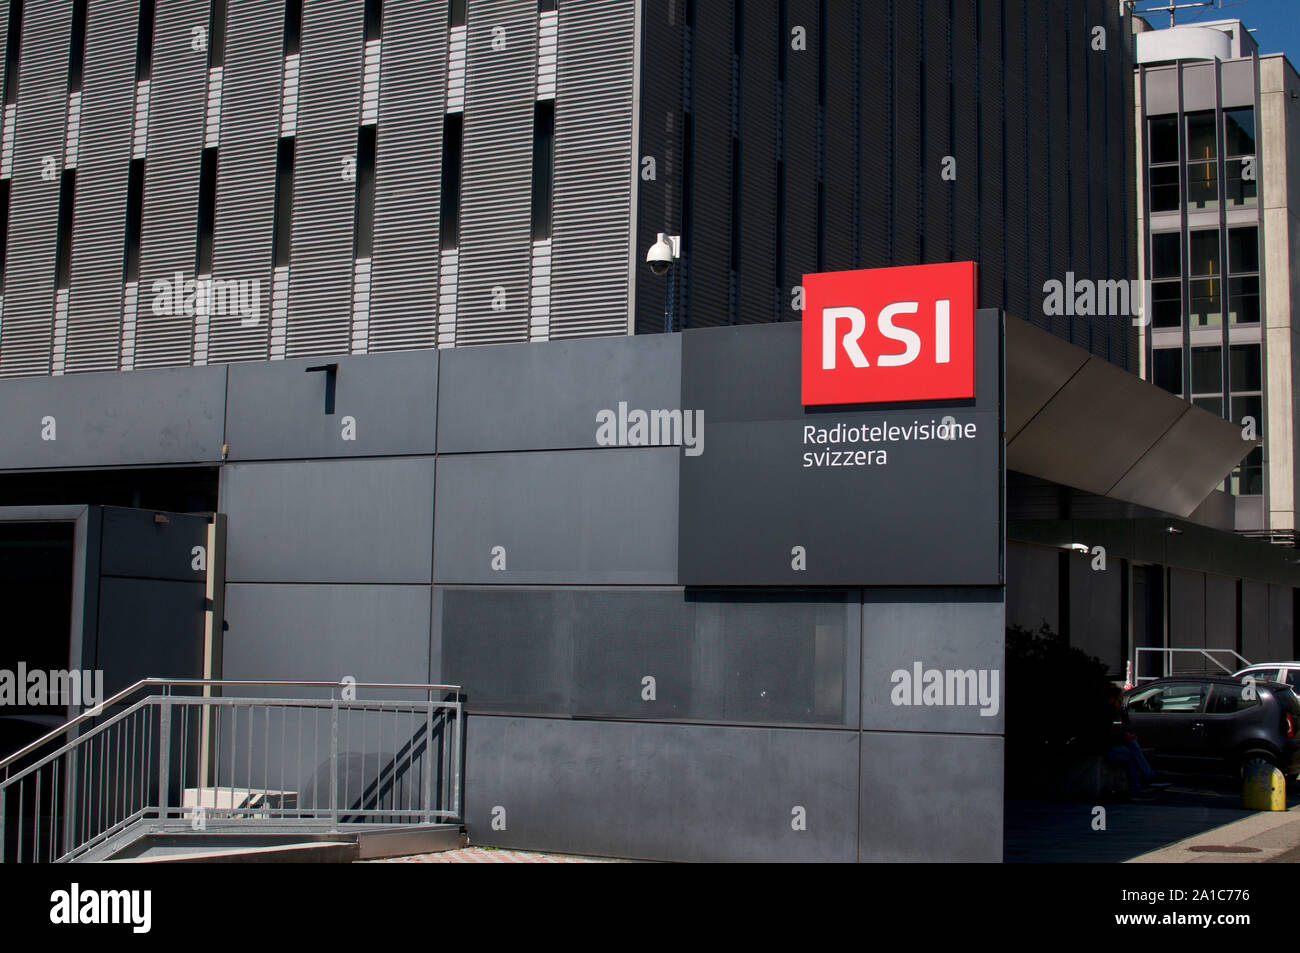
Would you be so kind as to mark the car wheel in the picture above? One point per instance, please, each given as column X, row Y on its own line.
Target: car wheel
column 1254, row 759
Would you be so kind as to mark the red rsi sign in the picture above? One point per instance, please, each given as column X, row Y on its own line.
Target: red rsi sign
column 889, row 334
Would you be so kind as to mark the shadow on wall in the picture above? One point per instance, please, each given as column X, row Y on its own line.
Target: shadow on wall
column 1053, row 695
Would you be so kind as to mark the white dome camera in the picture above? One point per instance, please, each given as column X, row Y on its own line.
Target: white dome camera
column 663, row 253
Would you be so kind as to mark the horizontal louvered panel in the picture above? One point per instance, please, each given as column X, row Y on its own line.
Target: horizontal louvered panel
column 412, row 88
column 27, row 325
column 329, row 114
column 495, row 245
column 245, row 211
column 169, row 230
column 593, row 173
column 99, row 216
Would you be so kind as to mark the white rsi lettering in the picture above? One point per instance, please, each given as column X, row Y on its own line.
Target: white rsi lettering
column 910, row 340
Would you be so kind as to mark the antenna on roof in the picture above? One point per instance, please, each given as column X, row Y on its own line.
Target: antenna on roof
column 1172, row 7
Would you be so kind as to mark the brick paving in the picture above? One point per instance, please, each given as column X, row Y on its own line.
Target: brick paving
column 488, row 855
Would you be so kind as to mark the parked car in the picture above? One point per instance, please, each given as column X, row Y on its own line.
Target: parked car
column 1216, row 725
column 1285, row 672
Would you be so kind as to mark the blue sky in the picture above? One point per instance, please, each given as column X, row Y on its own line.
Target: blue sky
column 1276, row 22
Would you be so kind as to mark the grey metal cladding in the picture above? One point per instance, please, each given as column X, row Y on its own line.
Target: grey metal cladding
column 166, row 415
column 136, row 544
column 1041, row 172
column 561, row 517
column 492, row 293
column 99, row 214
column 380, row 528
column 799, row 150
column 169, row 230
column 992, row 258
column 966, row 116
column 874, row 150
column 545, row 396
column 250, row 128
column 963, row 816
column 593, row 169
column 936, row 225
column 412, row 89
column 1015, row 224
column 1058, row 82
column 907, row 81
column 276, row 409
column 758, row 149
column 324, row 203
column 373, row 633
column 666, row 86
column 1098, row 157
column 26, row 334
column 710, row 258
column 573, row 785
column 950, row 630
column 842, row 128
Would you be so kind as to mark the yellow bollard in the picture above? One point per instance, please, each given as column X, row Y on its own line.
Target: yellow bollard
column 1263, row 788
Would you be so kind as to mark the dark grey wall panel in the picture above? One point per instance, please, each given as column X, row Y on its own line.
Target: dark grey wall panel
column 340, row 521
column 329, row 111
column 1220, row 615
column 967, row 103
column 581, row 516
column 1280, row 622
column 250, row 127
column 104, row 420
column 169, row 232
column 26, row 334
column 907, row 136
column 277, row 410
column 959, row 818
column 1254, row 622
column 495, row 246
column 941, row 629
column 799, row 148
column 1187, row 617
column 1033, row 583
column 310, row 633
column 936, row 193
column 412, row 86
column 992, row 257
column 875, row 139
column 593, row 170
column 99, row 216
column 1096, row 607
column 547, row 396
column 731, row 656
column 1015, row 217
column 636, row 790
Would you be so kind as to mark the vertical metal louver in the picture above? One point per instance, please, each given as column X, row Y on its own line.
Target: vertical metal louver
column 408, row 164
column 1015, row 228
column 104, row 155
column 245, row 209
column 593, row 172
column 936, row 191
column 329, row 85
column 177, row 100
column 1038, row 159
column 875, row 139
column 991, row 258
column 907, row 81
column 1057, row 117
column 495, row 243
column 26, row 332
column 758, row 166
column 965, row 119
column 799, row 146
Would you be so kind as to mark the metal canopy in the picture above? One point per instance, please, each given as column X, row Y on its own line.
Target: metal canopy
column 1080, row 421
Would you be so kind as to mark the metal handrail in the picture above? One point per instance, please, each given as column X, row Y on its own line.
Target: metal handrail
column 98, row 784
column 1138, row 677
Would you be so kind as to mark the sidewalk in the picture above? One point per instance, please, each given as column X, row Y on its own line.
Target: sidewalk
column 1268, row 837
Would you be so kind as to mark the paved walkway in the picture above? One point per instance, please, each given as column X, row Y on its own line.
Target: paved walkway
column 1267, row 837
column 489, row 855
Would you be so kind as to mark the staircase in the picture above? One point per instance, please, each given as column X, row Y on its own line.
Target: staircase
column 193, row 769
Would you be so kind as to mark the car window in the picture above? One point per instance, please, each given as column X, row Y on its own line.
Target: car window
column 1171, row 698
column 1293, row 677
column 1259, row 674
column 1226, row 699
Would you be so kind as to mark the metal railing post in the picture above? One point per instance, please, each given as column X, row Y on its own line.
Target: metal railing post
column 428, row 763
column 164, row 755
column 334, row 762
column 3, row 791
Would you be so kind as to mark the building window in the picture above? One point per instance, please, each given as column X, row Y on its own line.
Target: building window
column 1245, row 380
column 281, row 236
column 207, row 210
column 1167, row 369
column 1202, row 161
column 292, row 26
column 1240, row 169
column 1205, row 299
column 1166, row 256
column 1207, row 374
column 1167, row 304
column 77, row 49
column 543, row 165
column 134, row 217
column 452, row 142
column 13, row 48
column 144, row 41
column 217, row 34
column 363, row 236
column 374, row 18
column 63, row 234
column 1243, row 275
column 457, row 13
column 1162, row 156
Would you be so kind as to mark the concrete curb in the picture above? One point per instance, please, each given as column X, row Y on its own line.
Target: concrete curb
column 1255, row 839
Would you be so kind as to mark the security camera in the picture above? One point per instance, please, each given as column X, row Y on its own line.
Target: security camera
column 663, row 253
